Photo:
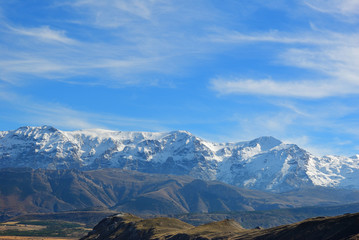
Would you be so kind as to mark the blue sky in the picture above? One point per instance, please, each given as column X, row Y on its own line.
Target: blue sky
column 223, row 70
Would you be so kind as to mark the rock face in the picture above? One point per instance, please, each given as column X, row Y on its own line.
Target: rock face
column 126, row 226
column 264, row 163
column 121, row 225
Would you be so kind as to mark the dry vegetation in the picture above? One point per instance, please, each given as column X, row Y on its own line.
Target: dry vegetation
column 36, row 229
column 20, row 227
column 127, row 226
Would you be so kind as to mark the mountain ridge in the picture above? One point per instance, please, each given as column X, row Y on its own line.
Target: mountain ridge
column 127, row 226
column 264, row 163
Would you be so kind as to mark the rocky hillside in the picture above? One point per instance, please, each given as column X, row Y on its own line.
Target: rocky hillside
column 30, row 191
column 264, row 163
column 127, row 226
column 130, row 227
column 41, row 191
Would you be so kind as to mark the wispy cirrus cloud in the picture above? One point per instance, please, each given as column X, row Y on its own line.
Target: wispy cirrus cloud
column 44, row 33
column 26, row 110
column 339, row 62
column 297, row 89
column 334, row 55
column 303, row 124
column 34, row 55
column 126, row 41
column 114, row 13
column 273, row 36
column 342, row 7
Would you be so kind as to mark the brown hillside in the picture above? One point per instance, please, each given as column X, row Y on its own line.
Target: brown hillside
column 126, row 226
column 42, row 191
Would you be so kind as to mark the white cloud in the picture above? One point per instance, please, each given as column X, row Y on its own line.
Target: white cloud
column 273, row 36
column 317, row 127
column 339, row 62
column 27, row 57
column 32, row 65
column 343, row 7
column 334, row 55
column 143, row 48
column 58, row 65
column 43, row 33
column 297, row 89
column 114, row 14
column 29, row 111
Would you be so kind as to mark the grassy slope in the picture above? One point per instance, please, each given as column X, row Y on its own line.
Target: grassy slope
column 129, row 227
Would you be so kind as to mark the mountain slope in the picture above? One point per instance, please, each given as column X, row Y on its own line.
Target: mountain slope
column 270, row 218
column 42, row 191
column 29, row 191
column 264, row 163
column 126, row 226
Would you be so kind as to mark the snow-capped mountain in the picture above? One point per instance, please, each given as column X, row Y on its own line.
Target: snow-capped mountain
column 264, row 163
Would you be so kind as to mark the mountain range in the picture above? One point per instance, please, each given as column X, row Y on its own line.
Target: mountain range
column 264, row 163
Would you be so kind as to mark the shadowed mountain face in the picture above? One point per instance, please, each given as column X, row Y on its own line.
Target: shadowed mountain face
column 126, row 226
column 30, row 191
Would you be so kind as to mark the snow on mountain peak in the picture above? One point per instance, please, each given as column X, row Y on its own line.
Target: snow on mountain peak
column 263, row 163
